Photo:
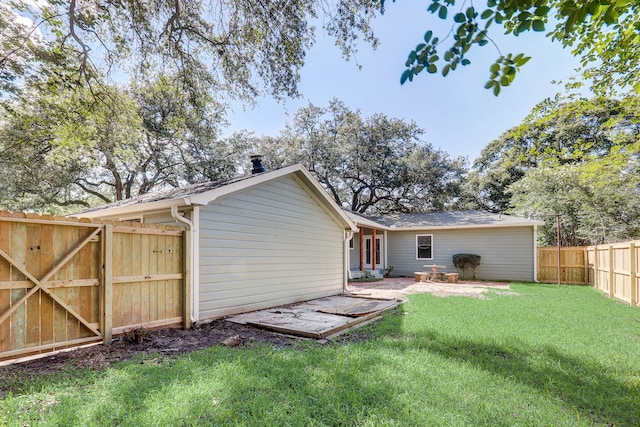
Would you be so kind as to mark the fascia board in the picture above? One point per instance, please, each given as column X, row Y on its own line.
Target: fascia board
column 156, row 206
column 372, row 224
column 211, row 195
column 462, row 227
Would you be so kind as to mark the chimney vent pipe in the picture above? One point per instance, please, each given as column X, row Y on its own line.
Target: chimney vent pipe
column 256, row 161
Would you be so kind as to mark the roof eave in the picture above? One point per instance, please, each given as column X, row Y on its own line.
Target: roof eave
column 138, row 208
column 452, row 227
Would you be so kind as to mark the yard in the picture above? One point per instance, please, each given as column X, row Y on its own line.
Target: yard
column 535, row 355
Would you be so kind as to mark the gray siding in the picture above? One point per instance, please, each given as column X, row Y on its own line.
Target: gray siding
column 354, row 254
column 507, row 253
column 269, row 245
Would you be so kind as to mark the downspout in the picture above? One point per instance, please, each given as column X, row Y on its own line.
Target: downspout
column 348, row 235
column 190, row 229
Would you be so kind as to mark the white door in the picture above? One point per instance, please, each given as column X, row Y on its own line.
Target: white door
column 373, row 252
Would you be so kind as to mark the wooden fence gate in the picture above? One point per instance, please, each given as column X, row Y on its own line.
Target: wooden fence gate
column 66, row 282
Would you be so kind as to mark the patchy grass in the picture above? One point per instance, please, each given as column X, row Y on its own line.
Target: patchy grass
column 563, row 356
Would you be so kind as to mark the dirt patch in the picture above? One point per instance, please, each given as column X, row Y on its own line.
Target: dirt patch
column 400, row 287
column 162, row 344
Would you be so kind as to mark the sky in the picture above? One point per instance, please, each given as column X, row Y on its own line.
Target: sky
column 457, row 114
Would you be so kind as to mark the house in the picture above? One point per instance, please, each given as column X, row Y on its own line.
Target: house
column 404, row 243
column 274, row 238
column 259, row 241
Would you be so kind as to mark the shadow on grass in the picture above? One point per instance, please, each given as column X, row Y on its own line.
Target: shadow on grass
column 341, row 384
column 589, row 388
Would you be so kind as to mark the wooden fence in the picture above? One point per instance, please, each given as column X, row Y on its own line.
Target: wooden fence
column 614, row 268
column 573, row 266
column 66, row 282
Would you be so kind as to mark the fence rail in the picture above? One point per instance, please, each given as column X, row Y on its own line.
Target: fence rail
column 69, row 281
column 613, row 268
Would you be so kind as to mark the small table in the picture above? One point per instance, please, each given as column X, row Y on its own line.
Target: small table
column 434, row 268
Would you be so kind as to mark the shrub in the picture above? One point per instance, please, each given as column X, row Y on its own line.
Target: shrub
column 462, row 261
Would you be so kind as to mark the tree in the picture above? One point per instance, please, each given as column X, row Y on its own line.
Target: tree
column 597, row 202
column 241, row 47
column 557, row 132
column 371, row 165
column 77, row 148
column 602, row 33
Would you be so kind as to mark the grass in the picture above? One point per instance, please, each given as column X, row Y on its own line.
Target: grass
column 548, row 356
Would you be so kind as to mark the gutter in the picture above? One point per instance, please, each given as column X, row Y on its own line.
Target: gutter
column 190, row 228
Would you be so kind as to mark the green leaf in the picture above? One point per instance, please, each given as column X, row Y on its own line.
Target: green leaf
column 432, row 68
column 538, row 26
column 487, row 14
column 427, row 36
column 434, row 6
column 465, row 61
column 442, row 13
column 498, row 18
column 489, row 84
column 406, row 75
column 471, row 13
column 448, row 55
column 495, row 67
column 483, row 42
column 542, row 11
column 496, row 90
column 420, row 47
column 524, row 26
column 459, row 17
column 505, row 81
column 445, row 70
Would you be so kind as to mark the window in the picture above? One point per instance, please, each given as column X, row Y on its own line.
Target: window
column 351, row 242
column 424, row 246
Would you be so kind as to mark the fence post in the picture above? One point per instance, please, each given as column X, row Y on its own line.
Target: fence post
column 596, row 273
column 611, row 275
column 187, row 289
column 585, row 261
column 632, row 258
column 108, row 284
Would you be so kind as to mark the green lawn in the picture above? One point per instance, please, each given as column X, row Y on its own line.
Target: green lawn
column 548, row 356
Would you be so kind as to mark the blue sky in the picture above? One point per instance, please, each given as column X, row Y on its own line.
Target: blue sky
column 456, row 112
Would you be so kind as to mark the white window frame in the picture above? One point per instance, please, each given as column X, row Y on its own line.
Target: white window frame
column 432, row 245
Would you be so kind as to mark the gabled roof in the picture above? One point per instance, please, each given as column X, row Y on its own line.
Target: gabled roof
column 205, row 193
column 442, row 220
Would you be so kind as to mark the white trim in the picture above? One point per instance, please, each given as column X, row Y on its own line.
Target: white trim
column 138, row 208
column 380, row 263
column 346, row 270
column 453, row 227
column 139, row 217
column 298, row 172
column 432, row 246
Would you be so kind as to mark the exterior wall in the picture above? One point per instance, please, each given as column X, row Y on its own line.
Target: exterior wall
column 507, row 253
column 268, row 245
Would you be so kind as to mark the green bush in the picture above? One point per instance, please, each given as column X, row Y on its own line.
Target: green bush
column 462, row 261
